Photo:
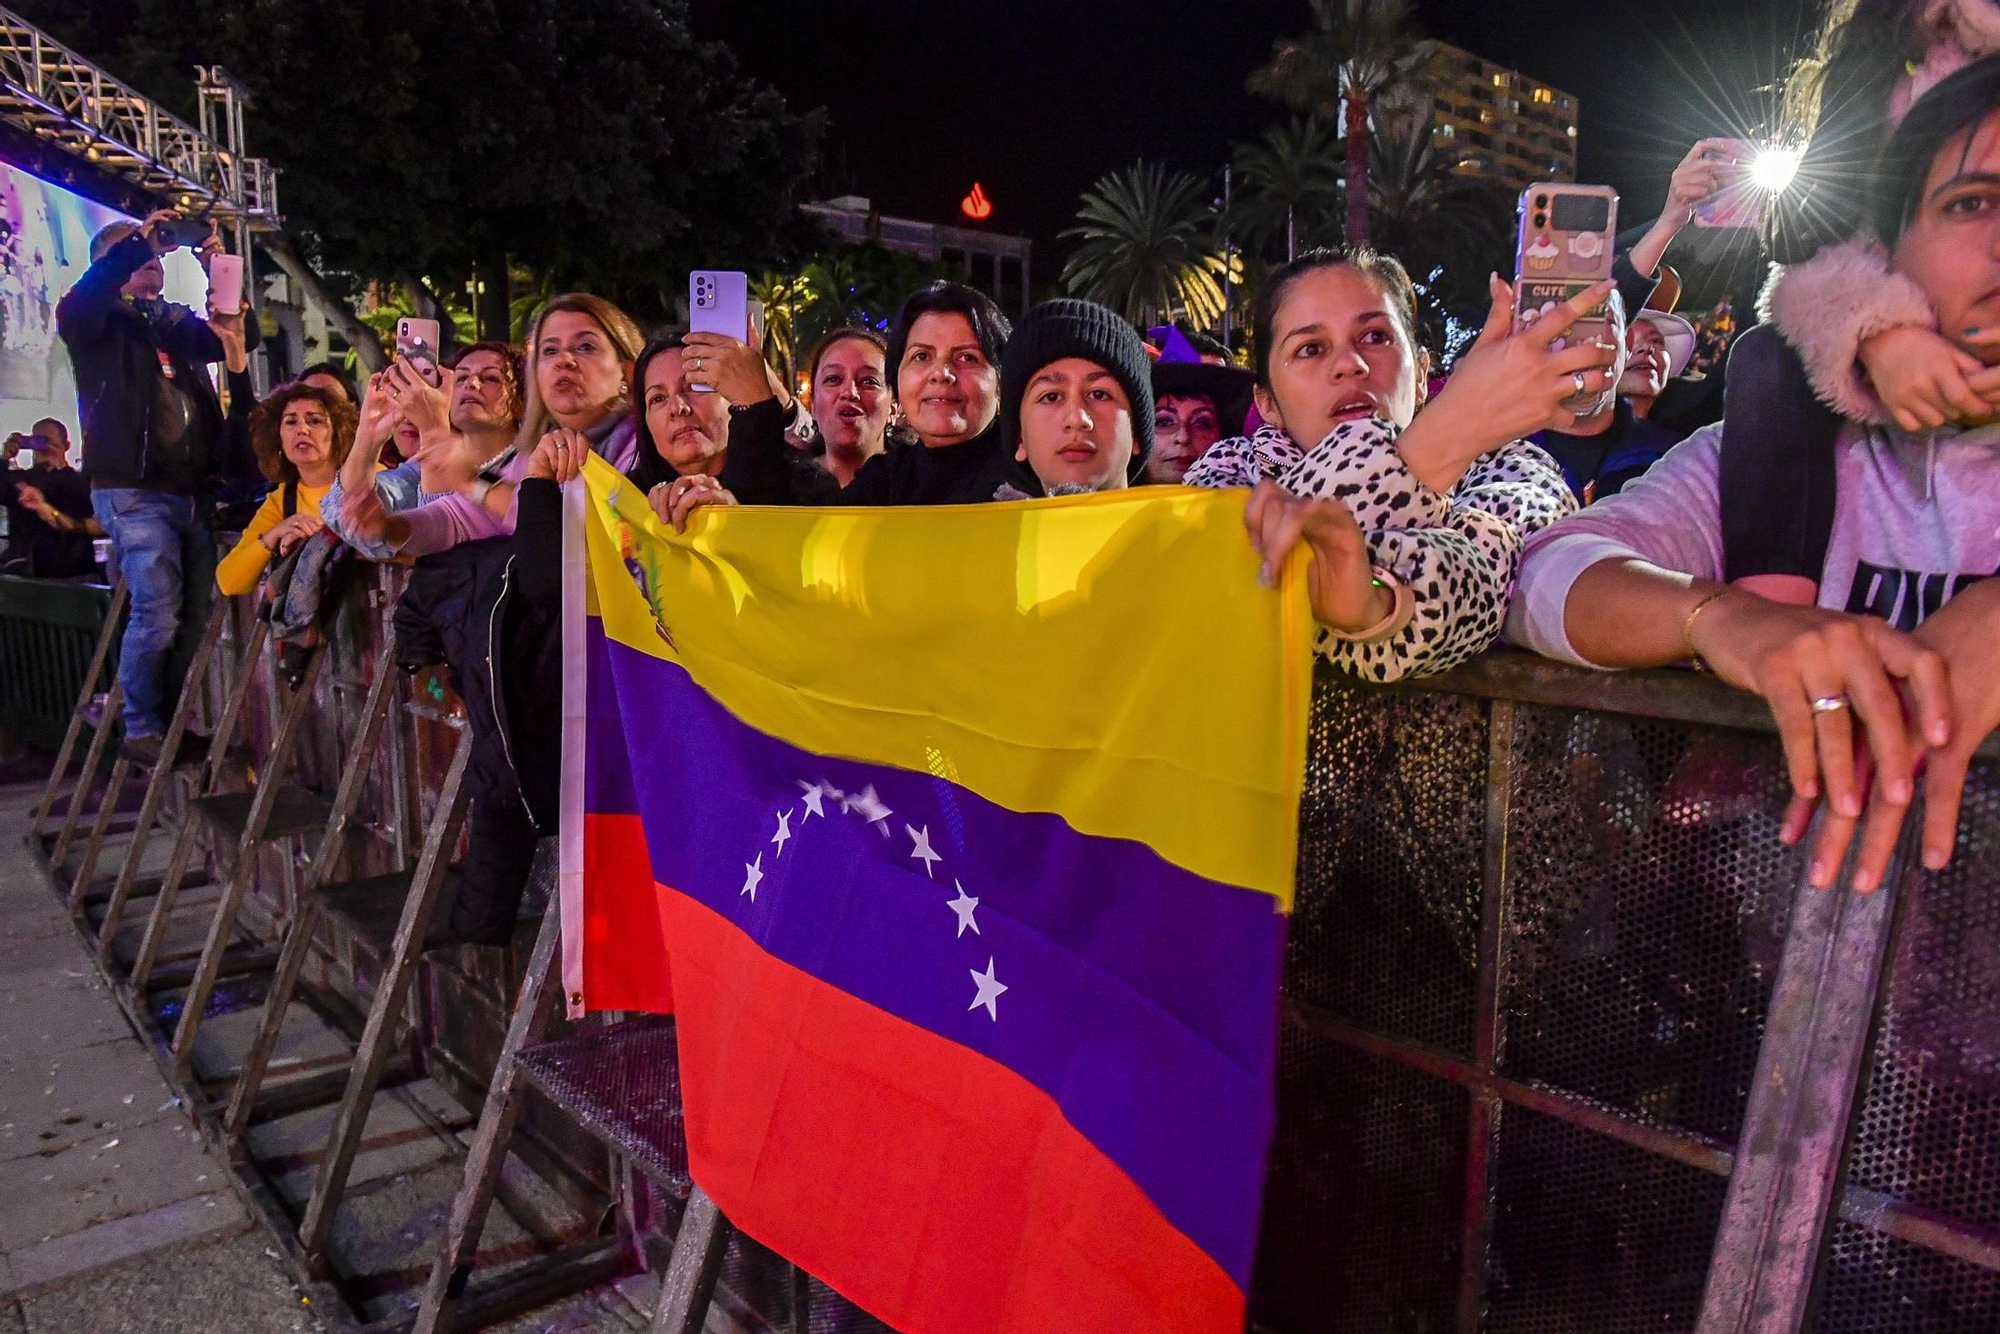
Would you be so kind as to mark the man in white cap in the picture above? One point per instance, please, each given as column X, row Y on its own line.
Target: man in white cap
column 1604, row 451
column 1658, row 348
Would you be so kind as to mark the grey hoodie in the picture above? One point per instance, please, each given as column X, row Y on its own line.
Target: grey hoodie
column 1915, row 519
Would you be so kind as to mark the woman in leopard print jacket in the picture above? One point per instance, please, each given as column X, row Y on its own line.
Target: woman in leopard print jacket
column 1414, row 521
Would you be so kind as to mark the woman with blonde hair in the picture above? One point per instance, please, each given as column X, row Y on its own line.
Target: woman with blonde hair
column 301, row 435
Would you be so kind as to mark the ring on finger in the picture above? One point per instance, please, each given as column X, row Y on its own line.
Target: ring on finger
column 1829, row 704
column 1576, row 378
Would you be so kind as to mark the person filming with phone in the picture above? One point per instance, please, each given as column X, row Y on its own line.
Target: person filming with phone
column 153, row 441
column 49, row 528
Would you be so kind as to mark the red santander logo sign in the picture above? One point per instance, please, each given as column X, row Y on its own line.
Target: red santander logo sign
column 976, row 205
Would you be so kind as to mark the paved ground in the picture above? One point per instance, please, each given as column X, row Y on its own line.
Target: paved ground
column 114, row 1217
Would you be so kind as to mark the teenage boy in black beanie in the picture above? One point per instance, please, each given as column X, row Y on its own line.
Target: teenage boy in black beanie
column 1076, row 402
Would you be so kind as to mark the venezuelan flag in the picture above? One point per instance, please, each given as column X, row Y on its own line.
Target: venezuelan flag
column 959, row 841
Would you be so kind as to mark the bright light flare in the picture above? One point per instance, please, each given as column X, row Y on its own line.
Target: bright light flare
column 1773, row 168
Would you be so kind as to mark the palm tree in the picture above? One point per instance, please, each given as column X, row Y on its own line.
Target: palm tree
column 784, row 297
column 1149, row 248
column 1287, row 178
column 1353, row 50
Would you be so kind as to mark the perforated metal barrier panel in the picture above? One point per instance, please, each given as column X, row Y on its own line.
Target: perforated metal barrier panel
column 1529, row 968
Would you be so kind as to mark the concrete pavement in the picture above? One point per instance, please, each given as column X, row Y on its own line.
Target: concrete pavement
column 115, row 1217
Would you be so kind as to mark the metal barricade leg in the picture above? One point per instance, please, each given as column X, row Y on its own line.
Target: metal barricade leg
column 305, row 917
column 453, row 1269
column 693, row 1266
column 114, row 708
column 223, row 924
column 121, row 771
column 170, row 884
column 99, row 656
column 337, row 1160
column 158, row 783
column 1786, row 1183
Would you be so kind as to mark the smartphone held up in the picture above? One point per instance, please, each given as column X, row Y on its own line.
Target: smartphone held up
column 1567, row 244
column 718, row 303
column 417, row 343
column 225, row 284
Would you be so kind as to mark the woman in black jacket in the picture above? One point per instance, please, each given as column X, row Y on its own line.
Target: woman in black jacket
column 685, row 436
column 944, row 351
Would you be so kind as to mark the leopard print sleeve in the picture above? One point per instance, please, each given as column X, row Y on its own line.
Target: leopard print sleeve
column 1242, row 460
column 1457, row 554
column 1226, row 463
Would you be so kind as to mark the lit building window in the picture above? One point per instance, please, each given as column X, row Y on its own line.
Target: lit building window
column 1499, row 81
column 1544, row 96
column 1447, row 131
column 1572, row 131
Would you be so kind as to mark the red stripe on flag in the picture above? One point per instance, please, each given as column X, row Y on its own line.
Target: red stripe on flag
column 926, row 1182
column 624, row 938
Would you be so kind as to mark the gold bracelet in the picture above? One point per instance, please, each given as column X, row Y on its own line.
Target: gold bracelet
column 1687, row 626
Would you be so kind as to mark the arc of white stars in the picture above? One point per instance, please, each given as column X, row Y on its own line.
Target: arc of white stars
column 870, row 808
column 964, row 905
column 815, row 793
column 753, row 874
column 784, row 830
column 920, row 840
column 990, row 991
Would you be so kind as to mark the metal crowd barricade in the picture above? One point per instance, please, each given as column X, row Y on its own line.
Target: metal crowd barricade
column 1529, row 1031
column 49, row 629
column 1565, row 1045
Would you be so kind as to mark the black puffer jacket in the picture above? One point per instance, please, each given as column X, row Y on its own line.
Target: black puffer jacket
column 115, row 346
column 505, row 659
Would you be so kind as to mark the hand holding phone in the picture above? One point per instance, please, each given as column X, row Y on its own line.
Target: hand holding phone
column 1735, row 201
column 718, row 303
column 417, row 343
column 1566, row 247
column 178, row 231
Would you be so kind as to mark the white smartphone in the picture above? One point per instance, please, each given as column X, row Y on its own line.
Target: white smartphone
column 718, row 303
column 225, row 284
column 417, row 343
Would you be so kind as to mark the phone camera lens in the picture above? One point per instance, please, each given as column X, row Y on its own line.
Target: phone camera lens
column 1541, row 201
column 1541, row 219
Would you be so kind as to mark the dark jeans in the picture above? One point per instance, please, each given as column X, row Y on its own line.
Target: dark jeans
column 167, row 554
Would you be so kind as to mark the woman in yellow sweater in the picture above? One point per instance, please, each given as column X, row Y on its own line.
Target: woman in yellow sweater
column 301, row 434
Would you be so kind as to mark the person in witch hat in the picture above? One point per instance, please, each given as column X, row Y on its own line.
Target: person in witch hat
column 1197, row 400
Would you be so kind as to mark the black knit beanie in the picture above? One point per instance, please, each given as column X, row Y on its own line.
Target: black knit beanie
column 1067, row 327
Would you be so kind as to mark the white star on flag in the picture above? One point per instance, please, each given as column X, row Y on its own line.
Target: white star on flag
column 784, row 829
column 921, row 851
column 813, row 807
column 753, row 873
column 989, row 991
column 870, row 808
column 964, row 905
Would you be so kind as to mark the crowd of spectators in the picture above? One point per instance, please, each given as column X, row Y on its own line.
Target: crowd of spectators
column 1434, row 514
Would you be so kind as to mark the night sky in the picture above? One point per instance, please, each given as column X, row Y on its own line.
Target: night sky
column 1038, row 98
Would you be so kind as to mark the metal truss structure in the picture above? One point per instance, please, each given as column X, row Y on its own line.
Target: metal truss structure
column 67, row 103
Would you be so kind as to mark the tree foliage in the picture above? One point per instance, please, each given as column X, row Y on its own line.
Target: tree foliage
column 1350, row 52
column 1287, row 188
column 598, row 143
column 1449, row 229
column 1149, row 247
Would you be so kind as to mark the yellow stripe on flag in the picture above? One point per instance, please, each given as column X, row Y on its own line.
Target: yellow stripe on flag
column 1109, row 659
